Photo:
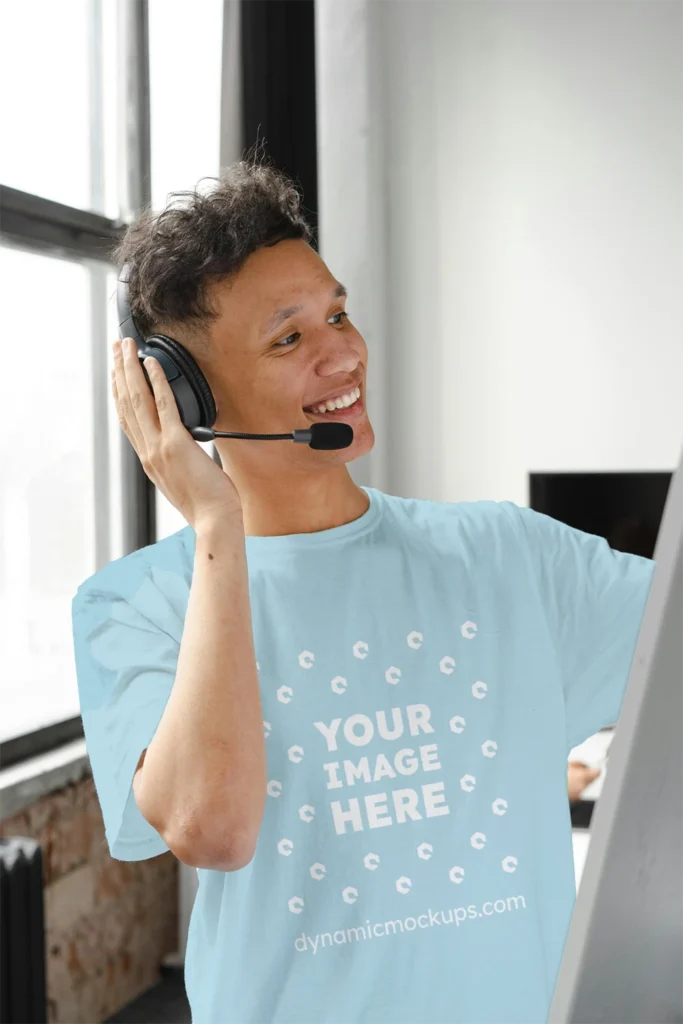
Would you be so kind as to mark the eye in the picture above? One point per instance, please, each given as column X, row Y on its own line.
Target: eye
column 282, row 344
column 286, row 342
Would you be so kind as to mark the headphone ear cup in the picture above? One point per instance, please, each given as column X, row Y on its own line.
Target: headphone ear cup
column 195, row 402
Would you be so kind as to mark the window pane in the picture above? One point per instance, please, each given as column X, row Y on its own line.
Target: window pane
column 185, row 105
column 47, row 537
column 58, row 133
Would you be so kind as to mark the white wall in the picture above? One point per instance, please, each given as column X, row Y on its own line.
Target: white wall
column 532, row 256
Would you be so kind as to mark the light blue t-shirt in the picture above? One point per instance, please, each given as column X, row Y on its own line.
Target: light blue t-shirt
column 425, row 671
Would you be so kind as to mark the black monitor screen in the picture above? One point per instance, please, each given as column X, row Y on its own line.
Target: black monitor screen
column 624, row 508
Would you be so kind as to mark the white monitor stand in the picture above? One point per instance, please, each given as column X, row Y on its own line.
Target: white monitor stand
column 623, row 958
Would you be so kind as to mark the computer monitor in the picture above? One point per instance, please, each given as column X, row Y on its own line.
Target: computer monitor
column 623, row 957
column 624, row 507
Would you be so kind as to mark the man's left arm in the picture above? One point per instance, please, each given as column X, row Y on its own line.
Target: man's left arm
column 594, row 599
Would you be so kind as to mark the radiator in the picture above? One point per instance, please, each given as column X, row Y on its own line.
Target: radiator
column 22, row 933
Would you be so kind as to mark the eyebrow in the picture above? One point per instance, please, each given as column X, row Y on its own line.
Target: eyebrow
column 280, row 315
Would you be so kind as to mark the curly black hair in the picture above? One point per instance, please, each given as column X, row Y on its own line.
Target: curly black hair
column 201, row 238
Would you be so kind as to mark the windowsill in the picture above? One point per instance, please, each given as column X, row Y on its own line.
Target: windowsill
column 23, row 784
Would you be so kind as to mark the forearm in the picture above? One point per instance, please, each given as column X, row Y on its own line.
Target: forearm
column 203, row 781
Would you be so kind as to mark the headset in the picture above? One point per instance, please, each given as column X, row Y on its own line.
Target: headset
column 196, row 404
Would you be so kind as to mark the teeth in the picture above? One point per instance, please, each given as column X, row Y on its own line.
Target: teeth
column 343, row 402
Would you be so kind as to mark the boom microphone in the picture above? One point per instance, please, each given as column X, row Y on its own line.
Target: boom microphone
column 323, row 436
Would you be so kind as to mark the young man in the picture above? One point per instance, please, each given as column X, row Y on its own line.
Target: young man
column 350, row 711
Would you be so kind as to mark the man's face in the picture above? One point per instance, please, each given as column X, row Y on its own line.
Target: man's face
column 268, row 363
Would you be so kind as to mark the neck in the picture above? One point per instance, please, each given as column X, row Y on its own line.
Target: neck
column 275, row 507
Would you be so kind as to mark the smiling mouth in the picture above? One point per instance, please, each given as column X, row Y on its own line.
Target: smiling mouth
column 350, row 412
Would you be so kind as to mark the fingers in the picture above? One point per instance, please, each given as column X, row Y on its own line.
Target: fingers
column 163, row 397
column 145, row 421
column 122, row 398
column 581, row 769
column 144, row 413
column 579, row 776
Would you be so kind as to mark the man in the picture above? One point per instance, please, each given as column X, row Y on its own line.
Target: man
column 351, row 711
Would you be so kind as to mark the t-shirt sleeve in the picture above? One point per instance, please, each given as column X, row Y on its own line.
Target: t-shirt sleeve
column 593, row 598
column 125, row 667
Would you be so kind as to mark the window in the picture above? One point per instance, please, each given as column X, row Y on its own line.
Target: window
column 48, row 498
column 63, row 187
column 185, row 94
column 59, row 126
column 59, row 523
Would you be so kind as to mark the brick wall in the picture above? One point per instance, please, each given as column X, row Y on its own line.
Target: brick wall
column 108, row 923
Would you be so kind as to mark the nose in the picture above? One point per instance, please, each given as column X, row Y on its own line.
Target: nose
column 338, row 355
